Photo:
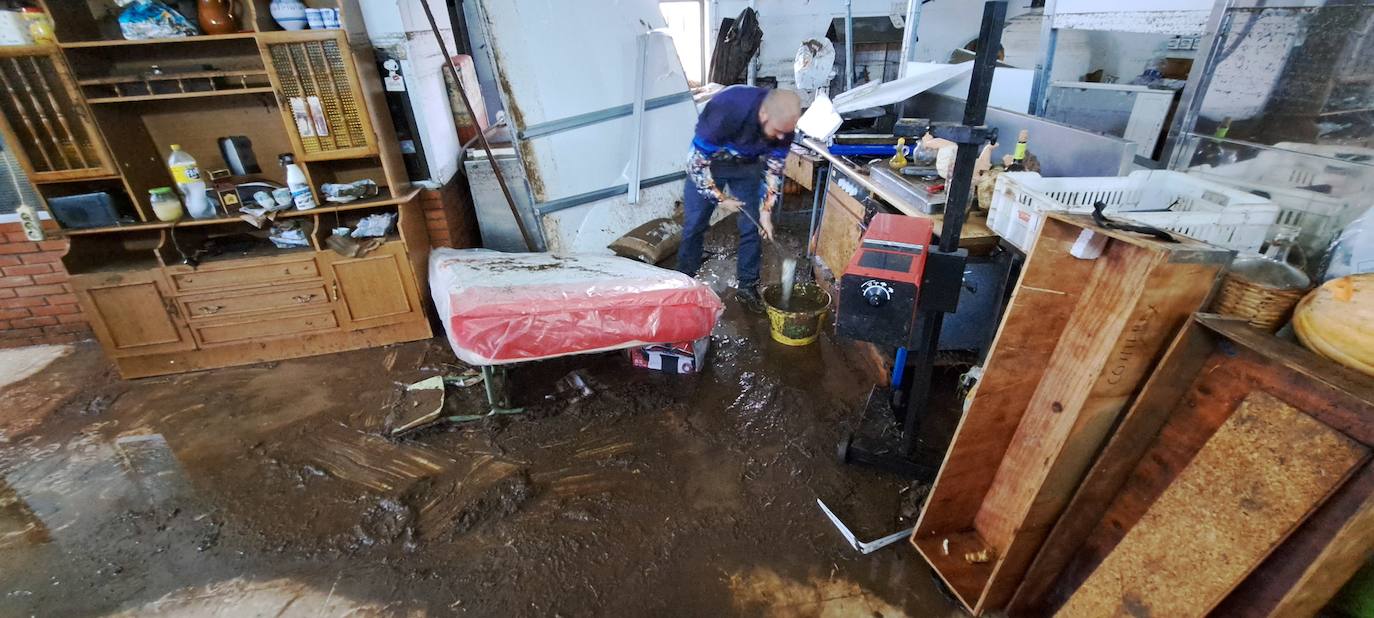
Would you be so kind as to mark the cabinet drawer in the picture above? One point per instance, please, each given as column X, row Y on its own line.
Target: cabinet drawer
column 246, row 275
column 265, row 327
column 203, row 306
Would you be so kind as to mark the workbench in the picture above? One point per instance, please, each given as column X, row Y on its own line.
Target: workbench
column 838, row 221
column 975, row 236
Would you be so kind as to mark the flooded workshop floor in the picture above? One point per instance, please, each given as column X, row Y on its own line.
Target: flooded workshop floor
column 275, row 489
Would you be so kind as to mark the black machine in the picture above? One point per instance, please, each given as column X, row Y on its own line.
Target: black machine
column 888, row 299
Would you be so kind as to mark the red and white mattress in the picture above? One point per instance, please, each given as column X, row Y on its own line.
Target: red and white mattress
column 500, row 308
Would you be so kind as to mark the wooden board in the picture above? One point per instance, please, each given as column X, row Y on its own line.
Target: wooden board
column 801, row 169
column 1078, row 338
column 1133, row 437
column 839, row 234
column 1213, row 365
column 975, row 236
column 1312, row 565
column 1258, row 476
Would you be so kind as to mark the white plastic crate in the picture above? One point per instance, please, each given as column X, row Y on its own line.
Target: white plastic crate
column 1174, row 201
column 1290, row 165
column 1319, row 216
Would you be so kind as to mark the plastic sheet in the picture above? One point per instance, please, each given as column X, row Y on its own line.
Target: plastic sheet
column 500, row 308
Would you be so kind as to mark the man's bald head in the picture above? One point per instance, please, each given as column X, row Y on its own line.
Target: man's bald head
column 779, row 113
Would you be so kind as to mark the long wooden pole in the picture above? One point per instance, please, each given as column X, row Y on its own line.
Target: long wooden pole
column 481, row 135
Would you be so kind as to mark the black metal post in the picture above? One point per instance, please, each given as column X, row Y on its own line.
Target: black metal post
column 975, row 113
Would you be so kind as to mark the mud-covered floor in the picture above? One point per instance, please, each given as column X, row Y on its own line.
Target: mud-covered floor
column 275, row 490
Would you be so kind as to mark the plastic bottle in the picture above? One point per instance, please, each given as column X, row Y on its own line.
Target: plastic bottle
column 295, row 181
column 165, row 204
column 1018, row 157
column 190, row 182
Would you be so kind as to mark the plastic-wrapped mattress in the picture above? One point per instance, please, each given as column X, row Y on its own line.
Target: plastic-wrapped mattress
column 502, row 308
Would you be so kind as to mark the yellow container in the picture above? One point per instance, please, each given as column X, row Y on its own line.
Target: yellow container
column 801, row 322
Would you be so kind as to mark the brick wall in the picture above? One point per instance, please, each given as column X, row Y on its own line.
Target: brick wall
column 36, row 302
column 449, row 215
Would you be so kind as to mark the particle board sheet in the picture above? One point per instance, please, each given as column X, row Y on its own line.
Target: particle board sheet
column 1259, row 476
column 840, row 230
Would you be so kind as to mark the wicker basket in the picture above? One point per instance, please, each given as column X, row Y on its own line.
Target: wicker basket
column 1265, row 307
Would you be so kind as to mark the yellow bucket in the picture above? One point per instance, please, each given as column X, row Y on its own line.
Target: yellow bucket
column 801, row 322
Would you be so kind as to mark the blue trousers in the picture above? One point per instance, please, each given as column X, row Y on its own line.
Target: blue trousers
column 745, row 183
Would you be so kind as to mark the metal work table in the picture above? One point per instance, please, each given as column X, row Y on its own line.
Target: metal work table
column 974, row 235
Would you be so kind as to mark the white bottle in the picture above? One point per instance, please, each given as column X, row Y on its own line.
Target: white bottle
column 190, row 183
column 295, row 181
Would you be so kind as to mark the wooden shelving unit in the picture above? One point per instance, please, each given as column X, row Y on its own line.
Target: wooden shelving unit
column 95, row 114
column 173, row 41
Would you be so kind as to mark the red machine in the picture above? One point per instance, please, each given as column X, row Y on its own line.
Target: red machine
column 880, row 289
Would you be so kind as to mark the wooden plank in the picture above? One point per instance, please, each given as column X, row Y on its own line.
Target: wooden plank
column 1050, row 285
column 839, row 234
column 1079, row 338
column 1059, row 404
column 1137, row 432
column 1258, row 477
column 226, row 92
column 801, row 169
column 1312, row 565
column 1089, row 383
column 140, row 42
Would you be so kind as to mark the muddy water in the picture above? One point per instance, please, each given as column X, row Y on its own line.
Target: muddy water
column 274, row 488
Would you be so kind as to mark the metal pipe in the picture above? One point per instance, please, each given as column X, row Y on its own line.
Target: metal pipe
column 637, row 140
column 975, row 113
column 909, row 35
column 848, row 44
column 481, row 135
column 820, row 190
column 1049, row 38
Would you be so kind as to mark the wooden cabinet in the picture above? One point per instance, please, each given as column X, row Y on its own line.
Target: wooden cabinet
column 318, row 91
column 238, row 311
column 86, row 116
column 373, row 290
column 132, row 313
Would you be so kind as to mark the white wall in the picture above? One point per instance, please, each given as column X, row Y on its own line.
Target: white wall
column 400, row 28
column 945, row 26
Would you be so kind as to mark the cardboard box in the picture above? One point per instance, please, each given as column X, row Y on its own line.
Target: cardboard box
column 683, row 357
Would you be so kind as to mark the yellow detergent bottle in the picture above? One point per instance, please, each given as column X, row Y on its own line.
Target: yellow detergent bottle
column 898, row 160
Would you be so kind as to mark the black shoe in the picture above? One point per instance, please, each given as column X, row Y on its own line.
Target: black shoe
column 748, row 296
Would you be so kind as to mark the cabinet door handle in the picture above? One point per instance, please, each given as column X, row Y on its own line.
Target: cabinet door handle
column 334, row 288
column 209, row 309
column 303, row 298
column 171, row 307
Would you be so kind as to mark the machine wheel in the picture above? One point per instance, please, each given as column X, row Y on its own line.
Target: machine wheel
column 842, row 450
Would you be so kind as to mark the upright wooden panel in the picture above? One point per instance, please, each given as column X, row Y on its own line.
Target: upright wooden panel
column 839, row 234
column 1258, row 476
column 1079, row 337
